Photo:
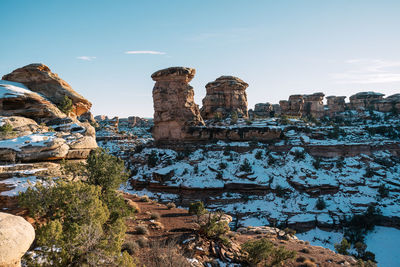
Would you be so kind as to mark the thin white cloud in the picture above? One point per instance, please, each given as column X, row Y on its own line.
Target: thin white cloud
column 86, row 58
column 369, row 71
column 149, row 52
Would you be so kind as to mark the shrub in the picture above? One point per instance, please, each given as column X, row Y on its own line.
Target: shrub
column 105, row 170
column 223, row 165
column 320, row 205
column 245, row 166
column 343, row 247
column 130, row 246
column 214, row 227
column 145, row 198
column 299, row 154
column 258, row 155
column 66, row 105
column 141, row 230
column 263, row 251
column 369, row 172
column 155, row 216
column 78, row 220
column 6, row 129
column 197, row 208
column 271, row 160
column 305, row 250
column 383, row 191
column 152, row 159
column 165, row 254
column 171, row 205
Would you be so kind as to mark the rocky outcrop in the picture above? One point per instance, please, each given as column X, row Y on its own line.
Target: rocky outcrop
column 39, row 78
column 16, row 236
column 388, row 104
column 61, row 139
column 174, row 106
column 18, row 100
column 314, row 105
column 225, row 95
column 335, row 104
column 364, row 100
column 303, row 105
column 263, row 110
column 292, row 107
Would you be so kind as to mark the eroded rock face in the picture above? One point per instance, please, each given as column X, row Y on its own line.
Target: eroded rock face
column 364, row 100
column 314, row 105
column 40, row 79
column 292, row 107
column 174, row 106
column 225, row 95
column 263, row 110
column 18, row 100
column 16, row 236
column 336, row 104
column 64, row 139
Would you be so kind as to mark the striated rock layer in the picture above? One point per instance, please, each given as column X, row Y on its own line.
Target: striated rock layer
column 225, row 96
column 174, row 106
column 40, row 79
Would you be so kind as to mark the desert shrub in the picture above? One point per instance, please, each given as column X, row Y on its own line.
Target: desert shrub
column 305, row 250
column 222, row 165
column 78, row 224
column 271, row 160
column 281, row 191
column 369, row 172
column 284, row 120
column 105, row 170
column 196, row 169
column 320, row 205
column 72, row 169
column 249, row 122
column 383, row 191
column 145, row 198
column 263, row 251
column 6, row 129
column 234, row 117
column 130, row 246
column 152, row 159
column 66, row 105
column 245, row 166
column 258, row 155
column 197, row 208
column 343, row 247
column 361, row 263
column 317, row 163
column 155, row 216
column 360, row 224
column 171, row 205
column 299, row 154
column 214, row 227
column 180, row 156
column 165, row 254
column 141, row 230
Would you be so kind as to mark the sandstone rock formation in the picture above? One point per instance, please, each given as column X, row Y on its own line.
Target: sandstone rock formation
column 364, row 100
column 336, row 104
column 16, row 236
column 18, row 100
column 225, row 95
column 39, row 78
column 64, row 139
column 314, row 105
column 174, row 106
column 292, row 107
column 388, row 104
column 263, row 110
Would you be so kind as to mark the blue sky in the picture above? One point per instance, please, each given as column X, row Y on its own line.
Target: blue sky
column 278, row 47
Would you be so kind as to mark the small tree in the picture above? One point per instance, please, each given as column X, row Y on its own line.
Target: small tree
column 152, row 159
column 197, row 208
column 320, row 205
column 245, row 167
column 343, row 247
column 66, row 105
column 6, row 129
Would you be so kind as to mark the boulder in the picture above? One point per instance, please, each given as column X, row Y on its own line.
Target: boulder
column 225, row 95
column 40, row 79
column 174, row 106
column 16, row 236
column 17, row 100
